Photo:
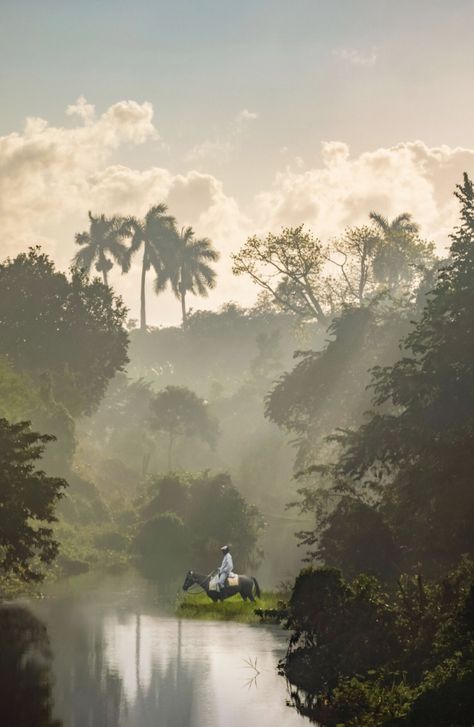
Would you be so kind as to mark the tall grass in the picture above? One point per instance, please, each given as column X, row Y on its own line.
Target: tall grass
column 199, row 606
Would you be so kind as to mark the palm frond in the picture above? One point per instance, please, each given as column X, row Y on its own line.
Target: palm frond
column 380, row 221
column 154, row 256
column 82, row 238
column 119, row 252
column 157, row 214
column 405, row 223
column 136, row 236
column 205, row 276
column 84, row 258
column 161, row 281
column 208, row 274
column 203, row 249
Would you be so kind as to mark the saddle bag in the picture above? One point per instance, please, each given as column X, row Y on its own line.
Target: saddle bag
column 233, row 580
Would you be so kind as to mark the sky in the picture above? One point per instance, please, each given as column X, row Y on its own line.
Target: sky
column 242, row 116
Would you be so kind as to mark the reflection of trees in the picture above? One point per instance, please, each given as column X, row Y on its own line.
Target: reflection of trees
column 87, row 691
column 93, row 689
column 170, row 693
column 25, row 673
column 167, row 699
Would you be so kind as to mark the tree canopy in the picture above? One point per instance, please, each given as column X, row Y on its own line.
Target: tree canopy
column 179, row 412
column 313, row 281
column 413, row 458
column 188, row 268
column 27, row 502
column 185, row 518
column 399, row 252
column 289, row 267
column 69, row 330
column 155, row 236
column 104, row 239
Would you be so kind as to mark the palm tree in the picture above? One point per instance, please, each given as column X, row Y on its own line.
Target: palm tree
column 187, row 268
column 395, row 248
column 154, row 234
column 105, row 236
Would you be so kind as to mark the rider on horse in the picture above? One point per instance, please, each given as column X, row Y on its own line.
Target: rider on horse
column 226, row 567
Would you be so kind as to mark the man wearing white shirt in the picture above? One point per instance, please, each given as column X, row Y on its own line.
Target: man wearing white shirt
column 226, row 567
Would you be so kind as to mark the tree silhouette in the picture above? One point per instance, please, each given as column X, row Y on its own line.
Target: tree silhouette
column 69, row 330
column 28, row 498
column 154, row 234
column 399, row 250
column 178, row 411
column 188, row 268
column 413, row 458
column 289, row 267
column 105, row 237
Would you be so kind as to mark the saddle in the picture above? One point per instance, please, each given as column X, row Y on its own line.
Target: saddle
column 232, row 580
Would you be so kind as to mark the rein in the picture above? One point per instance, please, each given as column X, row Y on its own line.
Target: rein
column 199, row 584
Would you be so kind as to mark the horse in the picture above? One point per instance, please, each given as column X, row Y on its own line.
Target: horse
column 247, row 587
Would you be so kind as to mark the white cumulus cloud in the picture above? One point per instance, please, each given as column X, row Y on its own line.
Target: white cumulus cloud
column 50, row 176
column 409, row 177
column 356, row 57
column 47, row 172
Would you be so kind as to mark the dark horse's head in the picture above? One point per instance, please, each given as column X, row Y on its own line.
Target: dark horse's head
column 189, row 580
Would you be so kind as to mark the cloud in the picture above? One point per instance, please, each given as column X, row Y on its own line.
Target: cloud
column 222, row 147
column 356, row 57
column 246, row 115
column 81, row 108
column 51, row 175
column 408, row 177
column 47, row 172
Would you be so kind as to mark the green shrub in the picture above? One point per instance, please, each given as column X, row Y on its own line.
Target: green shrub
column 111, row 540
column 162, row 544
column 190, row 516
column 361, row 656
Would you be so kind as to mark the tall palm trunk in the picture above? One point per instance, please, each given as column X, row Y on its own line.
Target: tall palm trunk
column 183, row 307
column 142, row 292
column 182, row 296
column 102, row 266
column 170, row 451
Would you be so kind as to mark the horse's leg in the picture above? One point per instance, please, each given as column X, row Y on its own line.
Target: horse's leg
column 251, row 596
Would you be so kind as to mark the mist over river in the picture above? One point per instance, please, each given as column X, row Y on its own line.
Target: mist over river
column 118, row 658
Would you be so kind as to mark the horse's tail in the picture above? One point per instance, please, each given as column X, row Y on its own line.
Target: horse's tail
column 257, row 587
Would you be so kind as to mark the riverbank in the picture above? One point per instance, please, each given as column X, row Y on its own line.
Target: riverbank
column 199, row 606
column 110, row 645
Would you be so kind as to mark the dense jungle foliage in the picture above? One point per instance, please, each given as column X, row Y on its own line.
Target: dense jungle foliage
column 362, row 654
column 184, row 518
column 391, row 642
column 347, row 392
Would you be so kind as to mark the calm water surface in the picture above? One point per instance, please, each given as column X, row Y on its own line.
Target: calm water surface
column 119, row 659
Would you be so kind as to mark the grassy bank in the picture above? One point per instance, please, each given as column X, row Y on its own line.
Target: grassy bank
column 199, row 606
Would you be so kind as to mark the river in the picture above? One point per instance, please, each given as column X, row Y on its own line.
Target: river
column 117, row 658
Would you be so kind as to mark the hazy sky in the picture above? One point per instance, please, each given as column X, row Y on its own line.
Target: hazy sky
column 243, row 116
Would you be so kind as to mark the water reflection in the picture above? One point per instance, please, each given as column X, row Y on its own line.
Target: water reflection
column 25, row 670
column 120, row 661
